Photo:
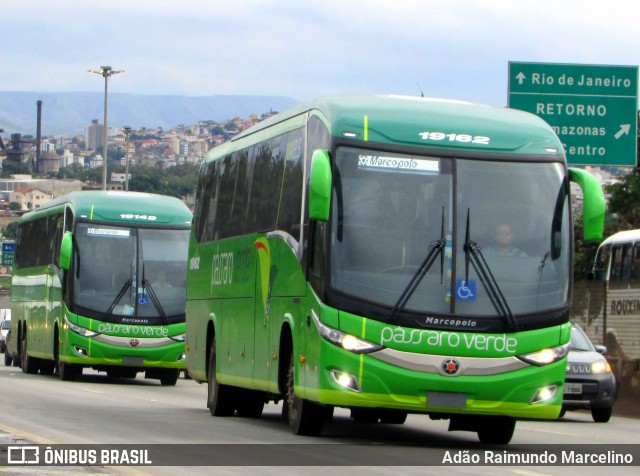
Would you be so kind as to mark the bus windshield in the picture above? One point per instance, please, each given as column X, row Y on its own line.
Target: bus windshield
column 389, row 208
column 134, row 275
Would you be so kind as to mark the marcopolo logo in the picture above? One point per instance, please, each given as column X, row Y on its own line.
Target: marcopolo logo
column 450, row 367
column 438, row 321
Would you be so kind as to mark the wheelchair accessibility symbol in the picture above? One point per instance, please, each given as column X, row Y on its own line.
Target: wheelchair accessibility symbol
column 465, row 291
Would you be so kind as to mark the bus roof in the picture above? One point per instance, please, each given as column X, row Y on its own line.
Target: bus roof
column 404, row 120
column 627, row 236
column 124, row 207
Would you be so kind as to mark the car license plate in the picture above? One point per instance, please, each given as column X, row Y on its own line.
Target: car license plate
column 573, row 388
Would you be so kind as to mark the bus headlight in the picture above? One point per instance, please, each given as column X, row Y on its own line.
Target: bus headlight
column 546, row 356
column 178, row 338
column 346, row 341
column 80, row 330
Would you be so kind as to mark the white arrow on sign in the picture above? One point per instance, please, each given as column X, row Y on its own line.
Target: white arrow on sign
column 520, row 77
column 624, row 129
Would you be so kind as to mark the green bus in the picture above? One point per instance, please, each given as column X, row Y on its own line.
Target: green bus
column 99, row 282
column 341, row 256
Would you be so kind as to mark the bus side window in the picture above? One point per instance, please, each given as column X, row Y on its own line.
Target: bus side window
column 616, row 263
column 601, row 265
column 635, row 272
column 627, row 261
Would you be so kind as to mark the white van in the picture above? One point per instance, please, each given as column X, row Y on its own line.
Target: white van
column 5, row 325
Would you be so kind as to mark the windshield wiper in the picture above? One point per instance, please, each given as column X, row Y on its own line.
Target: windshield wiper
column 435, row 249
column 123, row 290
column 491, row 286
column 155, row 300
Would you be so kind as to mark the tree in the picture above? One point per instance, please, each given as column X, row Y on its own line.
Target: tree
column 12, row 168
column 585, row 251
column 624, row 200
column 623, row 213
column 10, row 230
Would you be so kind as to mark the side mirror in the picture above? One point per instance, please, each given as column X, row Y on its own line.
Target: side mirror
column 601, row 349
column 320, row 185
column 593, row 204
column 66, row 248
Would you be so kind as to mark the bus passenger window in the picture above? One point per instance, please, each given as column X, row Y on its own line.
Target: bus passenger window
column 635, row 271
column 616, row 263
column 601, row 265
column 626, row 262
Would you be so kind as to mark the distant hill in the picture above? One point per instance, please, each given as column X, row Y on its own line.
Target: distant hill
column 70, row 113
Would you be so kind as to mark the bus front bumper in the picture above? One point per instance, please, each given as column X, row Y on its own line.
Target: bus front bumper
column 362, row 380
column 106, row 350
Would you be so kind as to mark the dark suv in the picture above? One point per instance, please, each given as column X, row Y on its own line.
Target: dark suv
column 589, row 382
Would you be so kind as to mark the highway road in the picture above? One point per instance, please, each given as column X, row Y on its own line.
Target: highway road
column 98, row 410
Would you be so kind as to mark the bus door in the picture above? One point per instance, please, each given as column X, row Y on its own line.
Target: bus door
column 53, row 298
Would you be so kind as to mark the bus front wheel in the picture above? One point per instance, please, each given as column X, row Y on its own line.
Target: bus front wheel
column 68, row 372
column 220, row 398
column 169, row 377
column 497, row 430
column 305, row 417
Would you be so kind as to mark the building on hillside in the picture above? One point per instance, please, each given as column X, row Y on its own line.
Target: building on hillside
column 49, row 163
column 118, row 178
column 30, row 198
column 68, row 158
column 94, row 135
column 56, row 187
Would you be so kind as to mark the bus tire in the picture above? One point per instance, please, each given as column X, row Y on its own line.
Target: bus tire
column 47, row 367
column 29, row 364
column 497, row 430
column 220, row 398
column 393, row 417
column 305, row 417
column 365, row 415
column 68, row 372
column 169, row 377
column 7, row 359
column 249, row 407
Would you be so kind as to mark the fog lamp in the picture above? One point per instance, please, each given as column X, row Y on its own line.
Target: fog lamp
column 81, row 351
column 345, row 380
column 543, row 394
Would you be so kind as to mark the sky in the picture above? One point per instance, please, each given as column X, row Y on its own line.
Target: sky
column 303, row 49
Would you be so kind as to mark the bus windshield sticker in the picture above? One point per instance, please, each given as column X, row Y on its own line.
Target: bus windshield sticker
column 398, row 164
column 108, row 232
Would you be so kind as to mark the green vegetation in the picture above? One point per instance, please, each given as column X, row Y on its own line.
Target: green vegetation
column 623, row 213
column 178, row 181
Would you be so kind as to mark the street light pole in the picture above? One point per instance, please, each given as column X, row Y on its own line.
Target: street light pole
column 106, row 72
column 127, row 134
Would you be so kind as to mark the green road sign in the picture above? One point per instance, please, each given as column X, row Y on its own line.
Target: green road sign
column 593, row 109
column 7, row 259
